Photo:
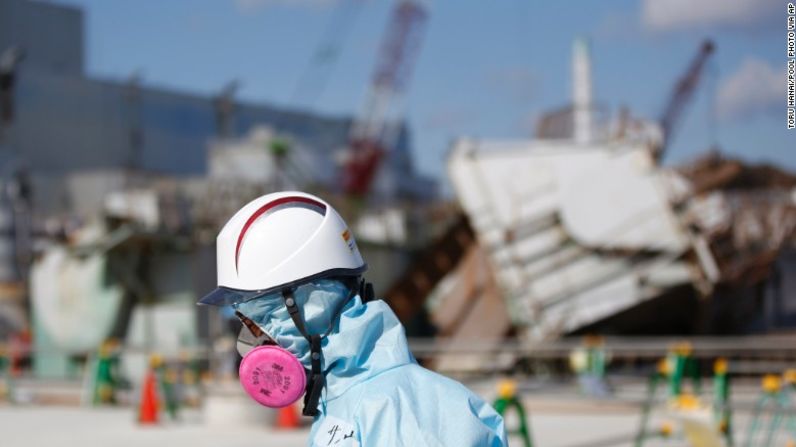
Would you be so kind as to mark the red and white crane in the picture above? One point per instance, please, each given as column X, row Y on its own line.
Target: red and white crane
column 375, row 131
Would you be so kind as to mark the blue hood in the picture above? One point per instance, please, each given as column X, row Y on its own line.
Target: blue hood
column 376, row 395
column 368, row 340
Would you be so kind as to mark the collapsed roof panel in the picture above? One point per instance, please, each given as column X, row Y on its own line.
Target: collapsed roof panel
column 575, row 233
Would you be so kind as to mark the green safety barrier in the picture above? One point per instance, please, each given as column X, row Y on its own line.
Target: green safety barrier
column 652, row 387
column 590, row 363
column 681, row 365
column 721, row 401
column 507, row 401
column 106, row 379
column 678, row 367
column 167, row 379
column 776, row 399
column 191, row 385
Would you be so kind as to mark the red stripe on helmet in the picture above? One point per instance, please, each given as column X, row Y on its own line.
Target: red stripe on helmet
column 268, row 206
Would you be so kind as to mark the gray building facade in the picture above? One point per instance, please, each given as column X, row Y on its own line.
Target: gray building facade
column 66, row 122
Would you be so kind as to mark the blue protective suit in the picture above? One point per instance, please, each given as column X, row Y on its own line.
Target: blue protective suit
column 376, row 394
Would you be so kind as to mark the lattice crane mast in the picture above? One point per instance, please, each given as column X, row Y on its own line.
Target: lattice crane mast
column 374, row 132
column 682, row 94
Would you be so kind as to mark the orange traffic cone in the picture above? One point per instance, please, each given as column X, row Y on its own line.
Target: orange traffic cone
column 287, row 417
column 148, row 408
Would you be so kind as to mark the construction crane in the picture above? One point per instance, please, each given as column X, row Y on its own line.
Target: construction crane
column 682, row 94
column 373, row 133
column 312, row 81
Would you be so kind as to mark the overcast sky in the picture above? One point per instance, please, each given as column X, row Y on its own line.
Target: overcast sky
column 487, row 68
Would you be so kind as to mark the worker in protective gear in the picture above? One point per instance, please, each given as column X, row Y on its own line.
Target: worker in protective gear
column 291, row 269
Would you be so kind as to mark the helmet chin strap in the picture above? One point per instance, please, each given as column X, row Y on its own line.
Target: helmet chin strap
column 317, row 380
column 366, row 291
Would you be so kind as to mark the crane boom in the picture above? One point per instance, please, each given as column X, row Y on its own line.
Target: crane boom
column 682, row 93
column 371, row 134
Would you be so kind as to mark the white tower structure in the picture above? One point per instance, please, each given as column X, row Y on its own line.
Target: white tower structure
column 581, row 92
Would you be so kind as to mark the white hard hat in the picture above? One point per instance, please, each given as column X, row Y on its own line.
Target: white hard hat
column 281, row 240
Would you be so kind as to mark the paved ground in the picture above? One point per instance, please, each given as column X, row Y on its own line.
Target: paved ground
column 86, row 427
column 115, row 427
column 560, row 418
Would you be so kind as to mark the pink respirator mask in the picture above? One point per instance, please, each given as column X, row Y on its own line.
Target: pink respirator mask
column 271, row 375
